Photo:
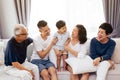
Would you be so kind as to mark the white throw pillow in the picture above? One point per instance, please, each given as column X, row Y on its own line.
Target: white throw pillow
column 81, row 65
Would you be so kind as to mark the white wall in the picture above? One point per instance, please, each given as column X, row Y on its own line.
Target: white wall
column 8, row 18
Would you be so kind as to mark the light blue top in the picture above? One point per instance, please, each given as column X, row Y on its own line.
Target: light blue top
column 61, row 40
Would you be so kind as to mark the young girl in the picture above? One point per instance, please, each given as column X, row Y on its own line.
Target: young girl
column 63, row 39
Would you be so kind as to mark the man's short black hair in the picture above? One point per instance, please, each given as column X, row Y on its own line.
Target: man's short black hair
column 41, row 23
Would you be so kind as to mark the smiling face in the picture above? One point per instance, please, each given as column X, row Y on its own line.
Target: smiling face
column 101, row 35
column 45, row 31
column 75, row 33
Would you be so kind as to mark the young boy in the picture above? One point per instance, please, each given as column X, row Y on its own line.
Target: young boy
column 63, row 39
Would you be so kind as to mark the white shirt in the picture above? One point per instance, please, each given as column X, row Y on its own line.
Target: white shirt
column 40, row 44
column 82, row 50
column 61, row 40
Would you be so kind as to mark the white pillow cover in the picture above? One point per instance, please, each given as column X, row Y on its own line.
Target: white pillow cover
column 81, row 65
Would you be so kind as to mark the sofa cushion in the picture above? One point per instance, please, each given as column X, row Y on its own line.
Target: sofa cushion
column 63, row 75
column 53, row 58
column 5, row 41
column 113, row 74
column 115, row 71
column 116, row 54
column 29, row 51
column 1, row 53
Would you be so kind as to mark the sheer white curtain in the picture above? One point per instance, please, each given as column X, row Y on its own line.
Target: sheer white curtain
column 86, row 12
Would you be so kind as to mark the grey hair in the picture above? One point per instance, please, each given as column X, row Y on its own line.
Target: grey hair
column 18, row 29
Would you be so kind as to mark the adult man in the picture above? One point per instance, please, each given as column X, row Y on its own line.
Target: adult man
column 15, row 54
column 42, row 47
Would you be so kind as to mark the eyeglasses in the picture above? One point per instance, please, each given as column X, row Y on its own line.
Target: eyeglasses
column 23, row 34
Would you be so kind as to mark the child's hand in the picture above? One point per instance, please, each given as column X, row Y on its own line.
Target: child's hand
column 58, row 52
column 54, row 40
column 67, row 47
column 67, row 42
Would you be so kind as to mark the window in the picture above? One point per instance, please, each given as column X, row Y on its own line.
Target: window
column 86, row 12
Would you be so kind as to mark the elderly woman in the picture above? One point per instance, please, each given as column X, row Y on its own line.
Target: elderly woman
column 77, row 48
column 101, row 50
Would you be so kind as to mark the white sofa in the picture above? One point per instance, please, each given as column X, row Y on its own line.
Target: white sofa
column 113, row 74
column 9, row 73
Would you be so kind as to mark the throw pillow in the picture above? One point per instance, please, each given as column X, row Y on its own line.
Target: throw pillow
column 81, row 65
column 116, row 54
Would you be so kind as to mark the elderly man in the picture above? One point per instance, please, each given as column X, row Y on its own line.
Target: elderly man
column 15, row 54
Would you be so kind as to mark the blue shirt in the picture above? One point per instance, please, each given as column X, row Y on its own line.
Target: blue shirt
column 98, row 49
column 16, row 52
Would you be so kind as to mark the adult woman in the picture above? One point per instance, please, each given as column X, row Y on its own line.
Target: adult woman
column 77, row 48
column 101, row 50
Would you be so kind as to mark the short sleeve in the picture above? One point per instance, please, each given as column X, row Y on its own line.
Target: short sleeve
column 29, row 41
column 55, row 34
column 37, row 45
column 68, row 33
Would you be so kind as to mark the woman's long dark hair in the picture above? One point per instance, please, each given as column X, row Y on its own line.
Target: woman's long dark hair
column 82, row 33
